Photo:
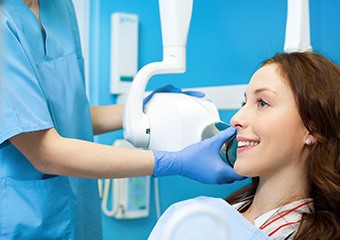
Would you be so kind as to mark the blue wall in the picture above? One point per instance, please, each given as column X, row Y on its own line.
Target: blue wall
column 227, row 41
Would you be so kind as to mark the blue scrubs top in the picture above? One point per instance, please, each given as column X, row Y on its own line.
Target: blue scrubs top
column 43, row 87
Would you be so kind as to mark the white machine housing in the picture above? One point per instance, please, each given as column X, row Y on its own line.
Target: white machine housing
column 178, row 120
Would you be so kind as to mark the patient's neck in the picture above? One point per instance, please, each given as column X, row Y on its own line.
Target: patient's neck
column 275, row 192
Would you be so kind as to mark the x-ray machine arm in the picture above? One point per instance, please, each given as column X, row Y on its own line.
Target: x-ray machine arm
column 175, row 21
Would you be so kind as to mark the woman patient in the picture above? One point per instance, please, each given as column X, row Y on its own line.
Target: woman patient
column 288, row 143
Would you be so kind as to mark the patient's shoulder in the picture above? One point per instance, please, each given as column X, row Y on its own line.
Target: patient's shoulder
column 204, row 200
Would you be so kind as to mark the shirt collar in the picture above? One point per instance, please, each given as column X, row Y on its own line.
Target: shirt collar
column 295, row 208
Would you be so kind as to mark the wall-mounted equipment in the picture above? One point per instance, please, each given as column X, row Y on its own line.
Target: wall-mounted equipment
column 124, row 51
column 130, row 197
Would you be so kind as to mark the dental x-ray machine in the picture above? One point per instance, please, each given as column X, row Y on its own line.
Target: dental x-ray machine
column 170, row 121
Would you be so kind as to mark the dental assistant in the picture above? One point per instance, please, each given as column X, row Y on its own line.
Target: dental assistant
column 48, row 162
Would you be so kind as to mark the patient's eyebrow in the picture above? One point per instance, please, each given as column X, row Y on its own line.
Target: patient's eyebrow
column 259, row 90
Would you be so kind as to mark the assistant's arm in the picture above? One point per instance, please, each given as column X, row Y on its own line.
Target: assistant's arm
column 107, row 118
column 51, row 153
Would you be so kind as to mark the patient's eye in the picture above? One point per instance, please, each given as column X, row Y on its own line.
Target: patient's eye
column 261, row 103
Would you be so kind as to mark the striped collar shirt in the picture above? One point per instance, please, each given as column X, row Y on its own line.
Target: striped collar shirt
column 281, row 223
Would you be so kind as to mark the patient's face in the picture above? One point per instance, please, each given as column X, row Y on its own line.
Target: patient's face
column 271, row 134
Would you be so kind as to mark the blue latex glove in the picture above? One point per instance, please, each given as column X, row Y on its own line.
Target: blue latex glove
column 200, row 161
column 170, row 88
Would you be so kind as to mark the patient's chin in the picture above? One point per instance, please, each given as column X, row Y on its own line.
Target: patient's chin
column 242, row 170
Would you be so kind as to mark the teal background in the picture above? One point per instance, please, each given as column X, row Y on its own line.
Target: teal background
column 227, row 41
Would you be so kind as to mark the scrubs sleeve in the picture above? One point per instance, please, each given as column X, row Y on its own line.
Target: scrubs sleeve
column 23, row 105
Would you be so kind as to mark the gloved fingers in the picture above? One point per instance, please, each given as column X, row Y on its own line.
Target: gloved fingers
column 194, row 93
column 168, row 88
column 231, row 176
column 171, row 89
column 220, row 138
column 224, row 173
column 147, row 99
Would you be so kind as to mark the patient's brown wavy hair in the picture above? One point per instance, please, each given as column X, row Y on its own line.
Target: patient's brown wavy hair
column 315, row 83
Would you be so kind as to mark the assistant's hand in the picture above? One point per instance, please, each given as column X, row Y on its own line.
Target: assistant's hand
column 200, row 161
column 171, row 89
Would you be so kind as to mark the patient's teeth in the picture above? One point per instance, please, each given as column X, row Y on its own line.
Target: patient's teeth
column 247, row 143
